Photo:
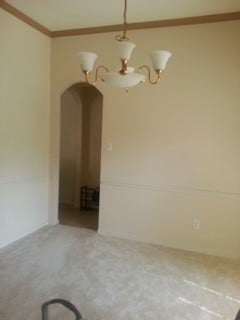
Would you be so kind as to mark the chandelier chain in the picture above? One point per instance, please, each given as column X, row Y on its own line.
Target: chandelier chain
column 123, row 36
column 125, row 19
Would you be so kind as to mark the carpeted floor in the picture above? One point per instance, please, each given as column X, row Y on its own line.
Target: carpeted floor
column 111, row 279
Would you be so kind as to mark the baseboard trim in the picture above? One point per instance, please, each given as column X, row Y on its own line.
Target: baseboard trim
column 162, row 243
column 34, row 229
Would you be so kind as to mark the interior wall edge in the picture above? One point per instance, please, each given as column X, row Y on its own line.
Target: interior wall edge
column 23, row 17
column 7, row 244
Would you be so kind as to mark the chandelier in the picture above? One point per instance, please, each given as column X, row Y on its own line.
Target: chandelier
column 126, row 76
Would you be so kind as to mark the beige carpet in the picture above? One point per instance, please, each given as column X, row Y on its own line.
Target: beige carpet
column 111, row 279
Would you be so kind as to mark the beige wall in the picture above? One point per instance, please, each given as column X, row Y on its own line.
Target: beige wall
column 176, row 154
column 70, row 147
column 92, row 137
column 24, row 128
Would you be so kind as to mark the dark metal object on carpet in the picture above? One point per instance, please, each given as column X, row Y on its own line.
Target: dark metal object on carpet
column 65, row 303
column 238, row 316
column 72, row 308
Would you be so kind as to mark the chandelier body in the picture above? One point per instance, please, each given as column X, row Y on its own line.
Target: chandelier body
column 127, row 76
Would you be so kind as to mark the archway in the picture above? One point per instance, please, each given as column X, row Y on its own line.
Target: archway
column 80, row 154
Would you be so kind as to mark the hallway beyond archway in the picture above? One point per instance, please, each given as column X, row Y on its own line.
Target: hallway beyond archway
column 80, row 156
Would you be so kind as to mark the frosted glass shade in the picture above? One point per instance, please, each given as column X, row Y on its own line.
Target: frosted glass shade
column 126, row 48
column 123, row 81
column 87, row 60
column 159, row 59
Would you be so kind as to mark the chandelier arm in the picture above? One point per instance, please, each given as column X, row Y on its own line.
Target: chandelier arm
column 97, row 72
column 96, row 75
column 158, row 72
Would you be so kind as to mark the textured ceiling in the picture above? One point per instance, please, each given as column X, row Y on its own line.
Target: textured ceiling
column 71, row 14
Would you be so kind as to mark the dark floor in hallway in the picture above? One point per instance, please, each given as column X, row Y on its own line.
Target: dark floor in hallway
column 70, row 216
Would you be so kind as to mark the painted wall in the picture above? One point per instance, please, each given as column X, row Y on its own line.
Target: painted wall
column 92, row 126
column 70, row 147
column 176, row 151
column 24, row 128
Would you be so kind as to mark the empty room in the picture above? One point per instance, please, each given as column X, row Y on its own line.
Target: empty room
column 119, row 160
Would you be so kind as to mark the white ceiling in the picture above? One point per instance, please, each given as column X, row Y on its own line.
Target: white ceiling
column 71, row 14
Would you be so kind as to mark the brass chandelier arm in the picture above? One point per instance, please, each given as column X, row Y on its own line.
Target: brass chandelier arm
column 86, row 73
column 97, row 72
column 158, row 72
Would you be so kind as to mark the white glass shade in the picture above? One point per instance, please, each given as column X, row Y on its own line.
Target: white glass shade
column 87, row 60
column 126, row 48
column 123, row 81
column 159, row 59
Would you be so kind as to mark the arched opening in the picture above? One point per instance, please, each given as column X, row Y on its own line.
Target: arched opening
column 80, row 154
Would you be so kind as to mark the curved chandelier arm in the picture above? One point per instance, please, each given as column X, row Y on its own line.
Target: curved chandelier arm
column 96, row 75
column 158, row 72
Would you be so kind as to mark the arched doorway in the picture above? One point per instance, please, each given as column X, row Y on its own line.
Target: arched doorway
column 80, row 154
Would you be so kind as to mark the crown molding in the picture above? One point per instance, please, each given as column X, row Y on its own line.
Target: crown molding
column 23, row 17
column 150, row 24
column 118, row 27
